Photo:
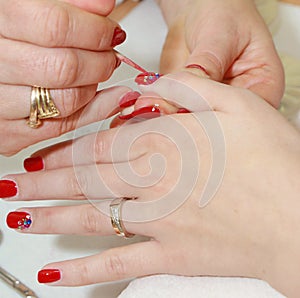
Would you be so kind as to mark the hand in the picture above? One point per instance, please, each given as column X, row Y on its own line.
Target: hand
column 57, row 46
column 229, row 39
column 247, row 229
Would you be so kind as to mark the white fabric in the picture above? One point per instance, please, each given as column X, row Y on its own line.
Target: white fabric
column 170, row 286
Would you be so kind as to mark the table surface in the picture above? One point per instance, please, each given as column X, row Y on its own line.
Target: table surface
column 23, row 255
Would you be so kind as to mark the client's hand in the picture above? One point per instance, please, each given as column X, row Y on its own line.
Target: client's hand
column 174, row 165
column 58, row 46
column 229, row 39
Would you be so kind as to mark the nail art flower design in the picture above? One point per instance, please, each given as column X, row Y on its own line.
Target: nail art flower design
column 24, row 223
column 147, row 78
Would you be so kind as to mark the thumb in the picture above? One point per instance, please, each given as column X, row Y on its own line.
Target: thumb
column 100, row 7
column 175, row 51
column 212, row 54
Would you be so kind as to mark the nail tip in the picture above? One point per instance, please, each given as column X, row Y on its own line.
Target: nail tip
column 8, row 188
column 129, row 99
column 48, row 275
column 119, row 37
column 33, row 164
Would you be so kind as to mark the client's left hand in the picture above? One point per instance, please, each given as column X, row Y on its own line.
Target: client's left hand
column 165, row 163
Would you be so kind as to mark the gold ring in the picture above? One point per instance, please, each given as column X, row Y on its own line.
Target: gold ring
column 41, row 106
column 115, row 216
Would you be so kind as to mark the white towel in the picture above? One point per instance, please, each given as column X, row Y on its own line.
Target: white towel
column 171, row 286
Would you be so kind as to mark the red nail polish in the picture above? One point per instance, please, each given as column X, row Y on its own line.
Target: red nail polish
column 33, row 164
column 147, row 78
column 182, row 111
column 8, row 188
column 118, row 37
column 118, row 62
column 147, row 112
column 197, row 66
column 48, row 275
column 129, row 99
column 18, row 220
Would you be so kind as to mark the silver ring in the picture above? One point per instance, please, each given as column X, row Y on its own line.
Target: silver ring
column 115, row 216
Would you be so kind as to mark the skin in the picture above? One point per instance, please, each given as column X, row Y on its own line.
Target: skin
column 229, row 39
column 238, row 50
column 249, row 228
column 46, row 33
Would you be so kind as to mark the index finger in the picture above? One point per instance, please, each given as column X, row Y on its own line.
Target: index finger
column 57, row 24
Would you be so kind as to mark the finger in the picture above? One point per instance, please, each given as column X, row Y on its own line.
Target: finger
column 94, row 182
column 185, row 89
column 57, row 24
column 136, row 171
column 100, row 7
column 15, row 100
column 114, row 264
column 21, row 135
column 90, row 219
column 83, row 151
column 175, row 51
column 53, row 67
column 106, row 146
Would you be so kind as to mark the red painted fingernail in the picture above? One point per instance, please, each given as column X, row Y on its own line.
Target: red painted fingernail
column 147, row 78
column 18, row 220
column 8, row 188
column 118, row 62
column 118, row 37
column 129, row 99
column 197, row 66
column 33, row 164
column 147, row 112
column 182, row 111
column 48, row 275
column 142, row 113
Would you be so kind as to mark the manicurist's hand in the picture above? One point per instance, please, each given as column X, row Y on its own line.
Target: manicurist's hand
column 226, row 40
column 217, row 190
column 65, row 47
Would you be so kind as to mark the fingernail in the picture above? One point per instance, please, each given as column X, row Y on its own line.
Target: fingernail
column 147, row 78
column 118, row 62
column 197, row 66
column 142, row 113
column 18, row 220
column 48, row 275
column 182, row 111
column 129, row 99
column 118, row 37
column 147, row 112
column 33, row 164
column 8, row 188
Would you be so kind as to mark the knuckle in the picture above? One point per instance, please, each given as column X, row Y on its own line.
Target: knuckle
column 115, row 266
column 63, row 125
column 99, row 148
column 69, row 99
column 56, row 24
column 75, row 183
column 65, row 67
column 91, row 221
column 84, row 277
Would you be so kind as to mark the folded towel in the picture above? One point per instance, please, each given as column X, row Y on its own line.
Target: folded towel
column 171, row 286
